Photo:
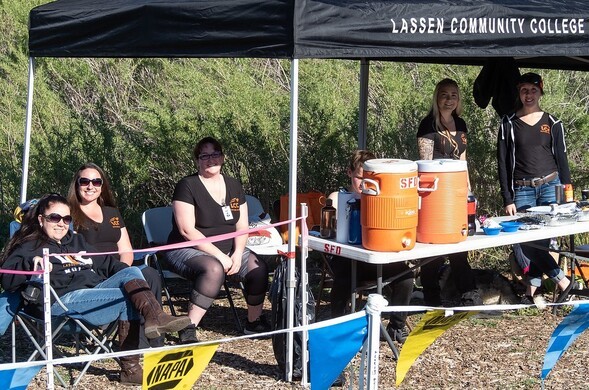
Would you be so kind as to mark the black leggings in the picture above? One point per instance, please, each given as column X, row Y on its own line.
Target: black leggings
column 207, row 275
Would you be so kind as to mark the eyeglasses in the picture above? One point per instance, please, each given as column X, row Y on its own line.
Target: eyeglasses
column 55, row 218
column 205, row 157
column 84, row 182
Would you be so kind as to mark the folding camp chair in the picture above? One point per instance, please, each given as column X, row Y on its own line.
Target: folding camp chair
column 157, row 223
column 87, row 339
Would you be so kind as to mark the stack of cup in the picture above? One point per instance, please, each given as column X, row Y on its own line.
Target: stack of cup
column 559, row 192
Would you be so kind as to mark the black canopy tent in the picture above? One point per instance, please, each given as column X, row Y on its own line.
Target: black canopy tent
column 536, row 33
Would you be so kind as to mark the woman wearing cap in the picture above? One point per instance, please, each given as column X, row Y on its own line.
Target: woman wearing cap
column 532, row 160
column 97, row 218
column 442, row 134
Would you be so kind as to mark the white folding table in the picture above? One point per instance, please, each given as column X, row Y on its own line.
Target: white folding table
column 424, row 251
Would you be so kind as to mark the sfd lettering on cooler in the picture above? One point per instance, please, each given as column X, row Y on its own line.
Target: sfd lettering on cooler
column 408, row 182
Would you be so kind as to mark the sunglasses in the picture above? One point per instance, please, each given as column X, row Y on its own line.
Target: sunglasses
column 205, row 157
column 55, row 218
column 84, row 182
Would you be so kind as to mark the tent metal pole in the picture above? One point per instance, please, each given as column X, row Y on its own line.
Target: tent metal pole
column 292, row 201
column 27, row 141
column 304, row 298
column 363, row 104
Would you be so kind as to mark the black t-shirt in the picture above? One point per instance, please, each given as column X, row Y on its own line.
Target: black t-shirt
column 446, row 145
column 105, row 235
column 210, row 220
column 533, row 149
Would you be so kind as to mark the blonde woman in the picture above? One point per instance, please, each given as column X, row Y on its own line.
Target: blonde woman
column 442, row 134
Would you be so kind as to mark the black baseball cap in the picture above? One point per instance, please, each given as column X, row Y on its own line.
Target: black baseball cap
column 531, row 78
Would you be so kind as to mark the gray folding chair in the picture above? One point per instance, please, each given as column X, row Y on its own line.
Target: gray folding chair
column 157, row 223
column 86, row 339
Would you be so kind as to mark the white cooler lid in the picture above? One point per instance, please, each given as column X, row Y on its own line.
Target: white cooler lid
column 441, row 165
column 389, row 165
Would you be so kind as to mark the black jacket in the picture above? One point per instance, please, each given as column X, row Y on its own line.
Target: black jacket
column 69, row 273
column 506, row 155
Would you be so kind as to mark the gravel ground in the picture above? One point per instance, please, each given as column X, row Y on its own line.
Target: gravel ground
column 499, row 353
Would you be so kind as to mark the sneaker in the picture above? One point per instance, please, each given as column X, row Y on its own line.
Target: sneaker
column 527, row 300
column 398, row 335
column 471, row 298
column 188, row 335
column 260, row 325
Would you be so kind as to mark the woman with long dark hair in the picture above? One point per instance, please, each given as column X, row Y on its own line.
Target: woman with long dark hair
column 97, row 218
column 96, row 289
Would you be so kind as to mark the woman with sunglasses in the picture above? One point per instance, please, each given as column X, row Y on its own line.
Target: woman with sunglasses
column 96, row 289
column 97, row 218
column 208, row 204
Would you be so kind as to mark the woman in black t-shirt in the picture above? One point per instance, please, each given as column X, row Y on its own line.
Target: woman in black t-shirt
column 442, row 134
column 208, row 204
column 97, row 218
column 531, row 157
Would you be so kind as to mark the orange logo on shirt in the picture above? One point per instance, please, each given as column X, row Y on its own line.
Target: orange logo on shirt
column 234, row 204
column 114, row 221
column 545, row 129
column 463, row 138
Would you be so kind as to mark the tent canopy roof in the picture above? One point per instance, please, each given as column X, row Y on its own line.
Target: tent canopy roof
column 537, row 33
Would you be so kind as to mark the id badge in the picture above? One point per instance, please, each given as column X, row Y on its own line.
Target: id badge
column 227, row 213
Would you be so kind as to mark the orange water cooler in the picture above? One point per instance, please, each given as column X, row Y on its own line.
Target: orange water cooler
column 443, row 192
column 389, row 205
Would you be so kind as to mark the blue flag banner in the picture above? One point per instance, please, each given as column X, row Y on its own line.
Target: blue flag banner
column 331, row 348
column 18, row 378
column 571, row 327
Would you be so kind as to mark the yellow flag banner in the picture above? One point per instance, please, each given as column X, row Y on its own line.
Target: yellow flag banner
column 431, row 326
column 176, row 368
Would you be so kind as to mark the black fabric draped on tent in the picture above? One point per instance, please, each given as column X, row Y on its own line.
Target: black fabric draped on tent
column 531, row 33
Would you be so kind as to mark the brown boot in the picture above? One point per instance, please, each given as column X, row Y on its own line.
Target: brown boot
column 131, row 371
column 156, row 321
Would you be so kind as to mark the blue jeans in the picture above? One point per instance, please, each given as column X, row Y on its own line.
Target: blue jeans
column 103, row 304
column 540, row 260
column 527, row 196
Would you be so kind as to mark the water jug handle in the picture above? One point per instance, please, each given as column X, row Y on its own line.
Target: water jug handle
column 369, row 191
column 434, row 188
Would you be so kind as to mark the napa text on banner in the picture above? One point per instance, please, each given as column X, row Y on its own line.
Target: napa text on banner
column 177, row 368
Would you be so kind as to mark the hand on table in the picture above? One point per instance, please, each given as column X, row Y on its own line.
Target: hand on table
column 510, row 209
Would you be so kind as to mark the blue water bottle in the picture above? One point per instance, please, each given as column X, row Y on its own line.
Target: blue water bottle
column 355, row 229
